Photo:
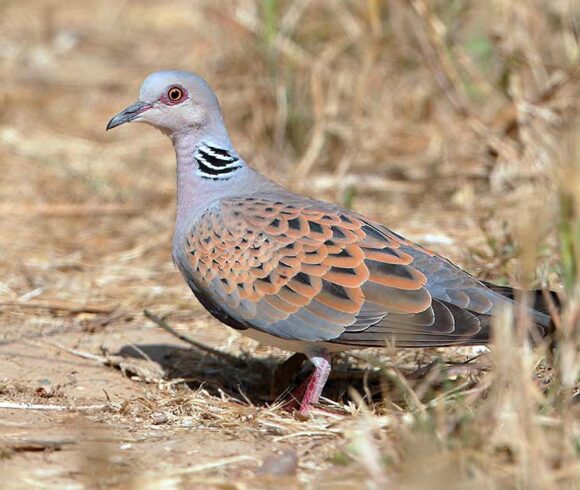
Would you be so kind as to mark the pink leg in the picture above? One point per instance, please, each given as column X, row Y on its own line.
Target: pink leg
column 316, row 382
column 309, row 391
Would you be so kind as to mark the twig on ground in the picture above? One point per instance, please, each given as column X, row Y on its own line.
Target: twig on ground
column 117, row 362
column 51, row 408
column 61, row 305
column 326, row 433
column 213, row 465
column 78, row 353
column 101, row 322
column 34, row 445
column 224, row 356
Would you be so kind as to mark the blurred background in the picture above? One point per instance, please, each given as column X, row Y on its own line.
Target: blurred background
column 452, row 122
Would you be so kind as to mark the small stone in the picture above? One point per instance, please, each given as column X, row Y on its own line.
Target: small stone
column 159, row 418
column 283, row 464
column 46, row 391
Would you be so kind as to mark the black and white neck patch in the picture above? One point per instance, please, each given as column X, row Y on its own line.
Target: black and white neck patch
column 215, row 163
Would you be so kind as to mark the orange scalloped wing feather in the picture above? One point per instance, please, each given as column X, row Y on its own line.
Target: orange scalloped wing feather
column 305, row 270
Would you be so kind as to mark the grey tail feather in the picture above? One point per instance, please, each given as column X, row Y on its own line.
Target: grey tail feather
column 541, row 297
column 544, row 302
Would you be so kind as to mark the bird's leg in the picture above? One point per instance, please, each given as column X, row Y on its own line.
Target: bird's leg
column 309, row 391
column 316, row 382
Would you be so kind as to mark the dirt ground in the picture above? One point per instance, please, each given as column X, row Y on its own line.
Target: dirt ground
column 447, row 121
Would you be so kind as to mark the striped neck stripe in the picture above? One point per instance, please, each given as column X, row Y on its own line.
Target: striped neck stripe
column 215, row 163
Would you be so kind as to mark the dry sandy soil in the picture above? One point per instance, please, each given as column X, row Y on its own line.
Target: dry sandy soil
column 447, row 121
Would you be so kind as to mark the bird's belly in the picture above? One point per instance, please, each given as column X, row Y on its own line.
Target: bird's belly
column 293, row 345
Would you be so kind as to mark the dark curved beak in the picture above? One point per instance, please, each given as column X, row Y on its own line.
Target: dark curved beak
column 129, row 114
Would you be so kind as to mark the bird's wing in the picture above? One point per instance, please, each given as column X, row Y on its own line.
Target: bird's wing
column 306, row 270
column 447, row 282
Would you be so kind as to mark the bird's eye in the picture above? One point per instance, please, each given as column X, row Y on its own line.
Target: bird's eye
column 174, row 94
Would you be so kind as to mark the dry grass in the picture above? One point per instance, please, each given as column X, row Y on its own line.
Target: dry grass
column 456, row 123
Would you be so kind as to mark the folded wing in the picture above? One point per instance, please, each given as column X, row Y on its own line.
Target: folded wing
column 306, row 270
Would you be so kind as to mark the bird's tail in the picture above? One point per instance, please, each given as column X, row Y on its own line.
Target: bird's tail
column 544, row 302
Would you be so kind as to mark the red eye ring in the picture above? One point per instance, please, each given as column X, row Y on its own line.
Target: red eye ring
column 175, row 94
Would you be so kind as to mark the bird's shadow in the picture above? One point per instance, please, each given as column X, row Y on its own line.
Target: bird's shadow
column 258, row 380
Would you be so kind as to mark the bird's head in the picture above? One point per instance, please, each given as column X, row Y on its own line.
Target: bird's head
column 172, row 101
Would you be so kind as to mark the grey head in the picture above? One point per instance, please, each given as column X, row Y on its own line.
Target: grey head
column 184, row 107
column 175, row 101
